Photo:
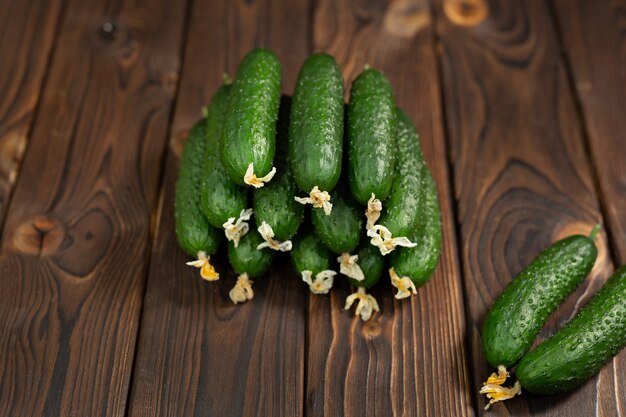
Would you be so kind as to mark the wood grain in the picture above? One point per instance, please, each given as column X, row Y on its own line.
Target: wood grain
column 522, row 177
column 593, row 36
column 410, row 359
column 75, row 244
column 198, row 354
column 26, row 39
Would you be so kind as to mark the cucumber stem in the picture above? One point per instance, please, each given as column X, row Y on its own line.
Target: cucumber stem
column 227, row 79
column 594, row 232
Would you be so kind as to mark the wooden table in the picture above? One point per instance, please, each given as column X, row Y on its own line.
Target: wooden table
column 520, row 106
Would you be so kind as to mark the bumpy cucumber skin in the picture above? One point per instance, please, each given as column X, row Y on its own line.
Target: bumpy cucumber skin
column 401, row 208
column 310, row 254
column 372, row 264
column 583, row 346
column 419, row 263
column 193, row 231
column 316, row 128
column 221, row 198
column 341, row 230
column 520, row 312
column 250, row 126
column 274, row 203
column 371, row 136
column 245, row 258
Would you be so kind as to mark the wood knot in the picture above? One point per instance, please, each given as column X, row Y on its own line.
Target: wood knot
column 371, row 329
column 41, row 236
column 177, row 143
column 466, row 12
column 405, row 18
column 108, row 31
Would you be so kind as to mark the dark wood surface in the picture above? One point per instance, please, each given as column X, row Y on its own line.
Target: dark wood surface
column 519, row 105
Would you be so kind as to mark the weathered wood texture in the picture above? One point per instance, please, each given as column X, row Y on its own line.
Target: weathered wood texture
column 27, row 34
column 74, row 247
column 522, row 178
column 593, row 37
column 409, row 359
column 200, row 355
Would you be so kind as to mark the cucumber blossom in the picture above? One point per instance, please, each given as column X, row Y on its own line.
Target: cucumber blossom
column 522, row 309
column 274, row 204
column 248, row 140
column 316, row 129
column 248, row 262
column 221, row 198
column 583, row 346
column 312, row 259
column 194, row 233
column 419, row 263
column 371, row 136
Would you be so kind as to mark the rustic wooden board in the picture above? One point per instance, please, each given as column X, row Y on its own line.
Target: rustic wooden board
column 521, row 173
column 200, row 355
column 593, row 38
column 26, row 39
column 75, row 243
column 409, row 359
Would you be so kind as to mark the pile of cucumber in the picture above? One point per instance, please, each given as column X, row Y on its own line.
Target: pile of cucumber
column 574, row 353
column 343, row 188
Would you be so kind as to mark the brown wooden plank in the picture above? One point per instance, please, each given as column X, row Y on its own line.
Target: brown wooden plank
column 76, row 238
column 409, row 359
column 593, row 37
column 27, row 32
column 199, row 355
column 521, row 173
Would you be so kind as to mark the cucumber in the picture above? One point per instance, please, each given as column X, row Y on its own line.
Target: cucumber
column 248, row 140
column 248, row 262
column 372, row 264
column 312, row 259
column 402, row 207
column 419, row 263
column 371, row 136
column 194, row 233
column 221, row 198
column 274, row 204
column 520, row 312
column 341, row 230
column 583, row 346
column 245, row 258
column 316, row 128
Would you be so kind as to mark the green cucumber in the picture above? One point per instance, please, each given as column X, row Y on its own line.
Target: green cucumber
column 274, row 203
column 402, row 208
column 371, row 136
column 341, row 230
column 246, row 259
column 193, row 231
column 221, row 198
column 310, row 254
column 316, row 128
column 371, row 263
column 419, row 263
column 578, row 351
column 520, row 312
column 250, row 125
